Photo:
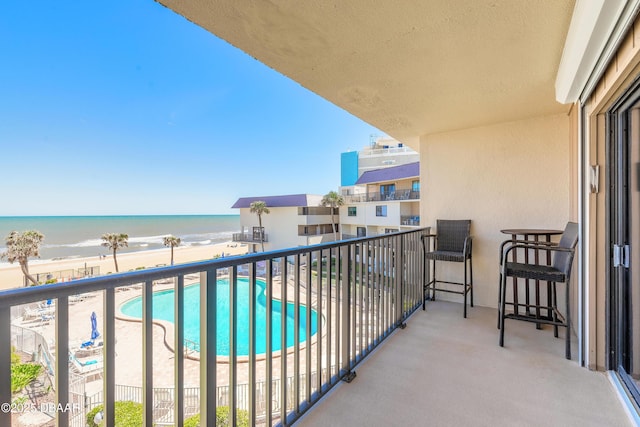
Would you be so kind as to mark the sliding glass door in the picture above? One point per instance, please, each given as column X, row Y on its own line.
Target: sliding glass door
column 624, row 231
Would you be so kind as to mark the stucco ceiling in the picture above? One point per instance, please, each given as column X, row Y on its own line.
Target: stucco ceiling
column 410, row 67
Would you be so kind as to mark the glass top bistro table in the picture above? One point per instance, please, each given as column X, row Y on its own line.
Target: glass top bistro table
column 532, row 235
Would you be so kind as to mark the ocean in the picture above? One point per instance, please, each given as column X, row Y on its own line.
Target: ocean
column 80, row 236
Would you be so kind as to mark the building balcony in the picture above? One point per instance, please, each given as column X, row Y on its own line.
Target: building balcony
column 399, row 195
column 249, row 237
column 410, row 220
column 441, row 370
column 315, row 230
column 379, row 151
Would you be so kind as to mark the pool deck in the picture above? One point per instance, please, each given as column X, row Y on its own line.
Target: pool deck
column 129, row 338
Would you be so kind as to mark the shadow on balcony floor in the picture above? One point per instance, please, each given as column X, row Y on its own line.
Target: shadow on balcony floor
column 443, row 370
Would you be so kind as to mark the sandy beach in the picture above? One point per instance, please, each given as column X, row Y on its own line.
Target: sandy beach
column 11, row 276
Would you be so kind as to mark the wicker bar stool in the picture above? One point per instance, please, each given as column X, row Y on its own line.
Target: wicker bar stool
column 558, row 272
column 451, row 243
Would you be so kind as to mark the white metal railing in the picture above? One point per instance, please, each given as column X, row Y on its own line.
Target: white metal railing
column 360, row 291
column 249, row 237
column 376, row 196
column 368, row 152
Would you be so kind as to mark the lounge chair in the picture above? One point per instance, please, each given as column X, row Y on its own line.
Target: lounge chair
column 76, row 298
column 89, row 349
column 46, row 318
column 162, row 403
column 87, row 367
column 47, row 305
column 38, row 313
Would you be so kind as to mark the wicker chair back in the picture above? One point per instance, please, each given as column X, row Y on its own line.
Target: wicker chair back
column 562, row 260
column 451, row 234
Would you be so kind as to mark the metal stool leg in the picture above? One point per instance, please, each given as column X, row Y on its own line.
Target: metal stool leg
column 425, row 265
column 433, row 289
column 471, row 278
column 501, row 310
column 554, row 308
column 499, row 297
column 568, row 320
column 464, row 287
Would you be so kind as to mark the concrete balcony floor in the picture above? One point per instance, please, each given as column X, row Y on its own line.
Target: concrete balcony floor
column 443, row 370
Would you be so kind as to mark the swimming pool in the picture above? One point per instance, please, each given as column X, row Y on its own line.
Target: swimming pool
column 163, row 309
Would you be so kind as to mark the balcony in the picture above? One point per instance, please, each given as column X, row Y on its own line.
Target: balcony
column 406, row 194
column 249, row 237
column 315, row 230
column 410, row 220
column 441, row 369
column 379, row 151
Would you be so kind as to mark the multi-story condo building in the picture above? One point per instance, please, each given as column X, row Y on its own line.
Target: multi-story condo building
column 293, row 220
column 382, row 152
column 382, row 201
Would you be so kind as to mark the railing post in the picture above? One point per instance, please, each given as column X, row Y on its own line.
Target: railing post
column 329, row 313
column 355, row 285
column 319, row 303
column 296, row 333
column 233, row 344
column 5, row 366
column 283, row 339
column 308, row 327
column 147, row 353
column 62, row 360
column 345, row 324
column 208, row 380
column 252, row 343
column 178, row 310
column 399, row 276
column 109, row 339
column 269, row 344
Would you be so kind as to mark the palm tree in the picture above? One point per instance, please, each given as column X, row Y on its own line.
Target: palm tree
column 259, row 207
column 115, row 241
column 21, row 246
column 333, row 200
column 171, row 241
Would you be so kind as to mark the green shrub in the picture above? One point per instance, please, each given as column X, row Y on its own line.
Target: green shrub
column 51, row 281
column 222, row 418
column 193, row 421
column 22, row 374
column 15, row 357
column 128, row 414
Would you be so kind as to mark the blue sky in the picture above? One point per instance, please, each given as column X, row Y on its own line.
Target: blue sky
column 125, row 107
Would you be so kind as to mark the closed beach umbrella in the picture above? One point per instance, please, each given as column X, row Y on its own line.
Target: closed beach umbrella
column 94, row 326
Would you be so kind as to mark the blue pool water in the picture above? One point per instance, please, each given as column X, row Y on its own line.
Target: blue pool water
column 163, row 304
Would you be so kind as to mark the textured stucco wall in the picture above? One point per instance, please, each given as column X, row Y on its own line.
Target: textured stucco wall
column 507, row 175
column 281, row 227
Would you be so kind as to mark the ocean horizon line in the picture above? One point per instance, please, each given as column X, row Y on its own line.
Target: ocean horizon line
column 112, row 215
